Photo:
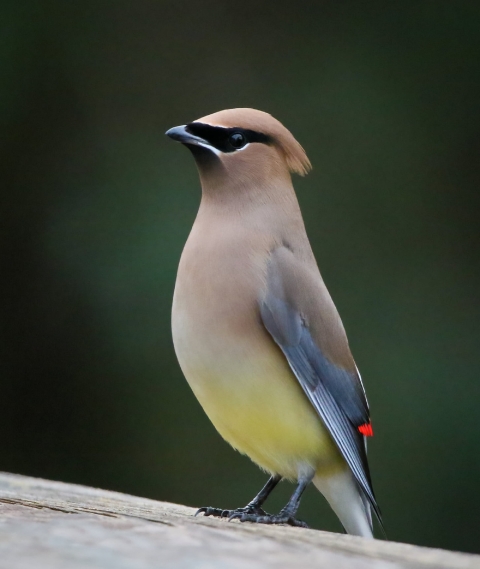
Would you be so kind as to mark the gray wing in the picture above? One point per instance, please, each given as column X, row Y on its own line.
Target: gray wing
column 296, row 296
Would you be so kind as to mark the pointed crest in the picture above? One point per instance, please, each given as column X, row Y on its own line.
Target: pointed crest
column 259, row 121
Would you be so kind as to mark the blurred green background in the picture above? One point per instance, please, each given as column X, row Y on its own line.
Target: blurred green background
column 97, row 204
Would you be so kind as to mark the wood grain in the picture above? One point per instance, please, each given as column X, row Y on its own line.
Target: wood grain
column 54, row 525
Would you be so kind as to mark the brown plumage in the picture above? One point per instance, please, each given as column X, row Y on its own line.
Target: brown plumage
column 291, row 150
column 255, row 330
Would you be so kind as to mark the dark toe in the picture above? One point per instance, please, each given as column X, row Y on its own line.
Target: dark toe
column 297, row 523
column 207, row 511
column 267, row 519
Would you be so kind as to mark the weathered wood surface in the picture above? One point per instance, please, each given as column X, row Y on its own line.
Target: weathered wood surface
column 61, row 526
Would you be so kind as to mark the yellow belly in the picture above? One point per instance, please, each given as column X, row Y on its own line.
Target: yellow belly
column 254, row 401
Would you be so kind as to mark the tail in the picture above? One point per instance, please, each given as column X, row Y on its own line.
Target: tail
column 344, row 496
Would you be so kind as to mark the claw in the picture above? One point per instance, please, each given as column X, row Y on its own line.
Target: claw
column 207, row 511
column 279, row 519
column 230, row 514
column 253, row 515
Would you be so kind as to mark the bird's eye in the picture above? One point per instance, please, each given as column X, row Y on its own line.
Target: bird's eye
column 237, row 140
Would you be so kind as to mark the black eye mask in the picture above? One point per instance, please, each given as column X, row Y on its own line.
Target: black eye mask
column 226, row 139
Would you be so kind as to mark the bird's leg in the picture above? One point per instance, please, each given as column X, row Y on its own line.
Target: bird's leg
column 286, row 514
column 255, row 505
column 252, row 508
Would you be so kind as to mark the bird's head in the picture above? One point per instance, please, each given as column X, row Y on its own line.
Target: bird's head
column 242, row 147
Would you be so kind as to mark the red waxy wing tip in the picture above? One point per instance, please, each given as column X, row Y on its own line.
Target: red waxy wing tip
column 366, row 429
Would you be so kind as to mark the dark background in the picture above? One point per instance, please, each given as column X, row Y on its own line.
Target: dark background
column 97, row 204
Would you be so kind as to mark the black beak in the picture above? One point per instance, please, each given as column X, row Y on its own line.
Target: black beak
column 180, row 134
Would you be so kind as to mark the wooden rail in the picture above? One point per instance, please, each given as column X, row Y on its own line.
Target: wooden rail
column 52, row 525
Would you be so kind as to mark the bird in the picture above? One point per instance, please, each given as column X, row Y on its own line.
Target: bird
column 255, row 330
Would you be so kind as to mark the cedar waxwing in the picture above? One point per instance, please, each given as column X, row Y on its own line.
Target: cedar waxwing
column 255, row 330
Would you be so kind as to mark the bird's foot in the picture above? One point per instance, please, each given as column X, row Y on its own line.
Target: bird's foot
column 232, row 514
column 283, row 518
